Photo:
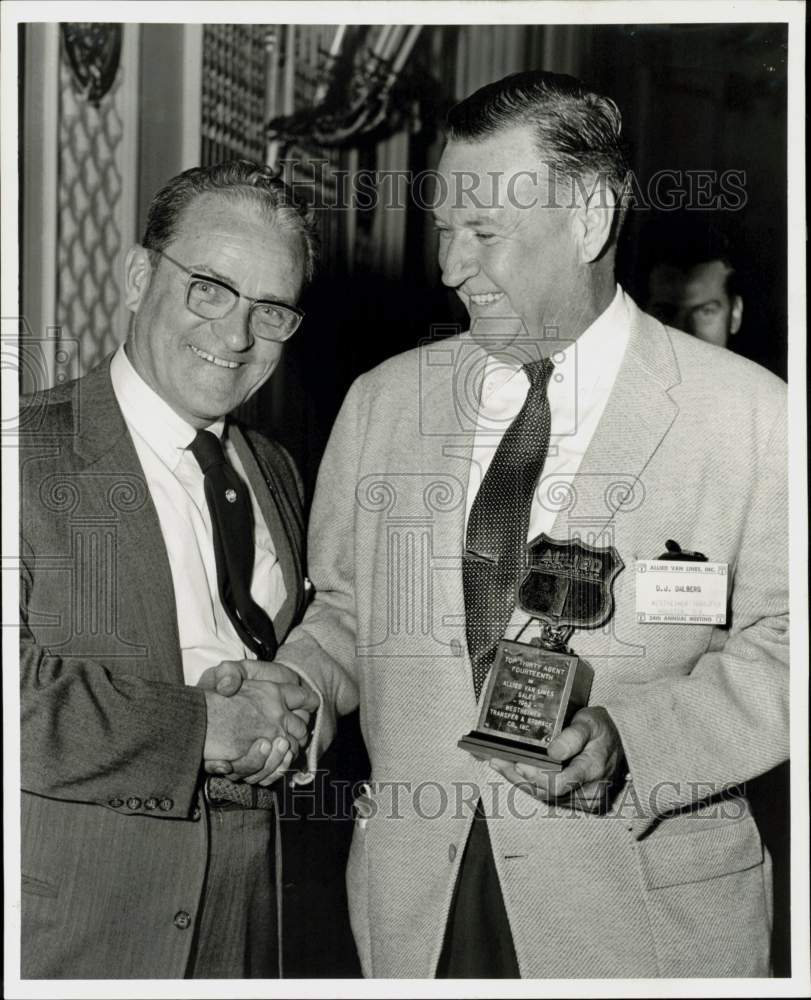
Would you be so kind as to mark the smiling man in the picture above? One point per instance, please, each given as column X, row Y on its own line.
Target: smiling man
column 159, row 541
column 565, row 420
column 488, row 243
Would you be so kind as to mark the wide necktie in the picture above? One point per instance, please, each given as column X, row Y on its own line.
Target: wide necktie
column 229, row 504
column 495, row 542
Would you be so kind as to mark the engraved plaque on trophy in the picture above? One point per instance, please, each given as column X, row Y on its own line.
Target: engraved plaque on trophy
column 534, row 689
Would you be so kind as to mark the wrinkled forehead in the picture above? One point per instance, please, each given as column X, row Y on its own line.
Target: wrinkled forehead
column 500, row 172
column 211, row 212
column 707, row 281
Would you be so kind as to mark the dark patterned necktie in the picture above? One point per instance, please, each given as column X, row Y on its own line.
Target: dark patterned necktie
column 229, row 504
column 497, row 528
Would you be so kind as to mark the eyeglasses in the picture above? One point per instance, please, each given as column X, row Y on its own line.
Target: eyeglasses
column 210, row 298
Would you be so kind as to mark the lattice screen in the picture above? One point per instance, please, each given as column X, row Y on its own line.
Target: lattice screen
column 89, row 242
column 233, row 92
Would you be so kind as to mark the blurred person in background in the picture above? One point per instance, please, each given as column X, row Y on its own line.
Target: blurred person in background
column 694, row 285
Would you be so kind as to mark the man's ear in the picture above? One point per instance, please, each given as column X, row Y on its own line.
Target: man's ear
column 137, row 275
column 594, row 216
column 736, row 316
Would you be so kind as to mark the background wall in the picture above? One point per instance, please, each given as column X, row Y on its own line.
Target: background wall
column 693, row 97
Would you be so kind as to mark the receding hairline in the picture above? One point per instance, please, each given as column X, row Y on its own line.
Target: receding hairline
column 284, row 218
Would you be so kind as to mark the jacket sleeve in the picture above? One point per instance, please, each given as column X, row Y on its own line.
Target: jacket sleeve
column 322, row 648
column 91, row 735
column 726, row 722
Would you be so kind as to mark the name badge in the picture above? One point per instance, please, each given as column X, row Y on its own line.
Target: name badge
column 673, row 592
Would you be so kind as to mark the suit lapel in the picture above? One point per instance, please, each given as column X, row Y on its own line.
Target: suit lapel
column 119, row 488
column 637, row 416
column 608, row 489
column 269, row 505
column 636, row 419
column 447, row 427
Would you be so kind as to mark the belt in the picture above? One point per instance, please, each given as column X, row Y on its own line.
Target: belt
column 224, row 794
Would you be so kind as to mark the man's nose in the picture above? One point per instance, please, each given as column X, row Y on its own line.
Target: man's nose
column 458, row 261
column 234, row 329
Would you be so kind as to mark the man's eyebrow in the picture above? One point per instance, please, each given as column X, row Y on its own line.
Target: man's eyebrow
column 208, row 272
column 477, row 220
column 481, row 220
column 707, row 302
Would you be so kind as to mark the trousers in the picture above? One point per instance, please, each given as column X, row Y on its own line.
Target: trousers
column 237, row 929
column 478, row 940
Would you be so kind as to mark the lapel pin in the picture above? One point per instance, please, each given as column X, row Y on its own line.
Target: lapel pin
column 231, row 496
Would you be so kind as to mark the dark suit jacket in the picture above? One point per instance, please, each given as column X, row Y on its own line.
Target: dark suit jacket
column 113, row 847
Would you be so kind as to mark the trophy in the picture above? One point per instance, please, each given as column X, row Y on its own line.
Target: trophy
column 534, row 689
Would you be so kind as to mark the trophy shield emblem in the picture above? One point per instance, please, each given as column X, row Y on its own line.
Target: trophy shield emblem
column 569, row 584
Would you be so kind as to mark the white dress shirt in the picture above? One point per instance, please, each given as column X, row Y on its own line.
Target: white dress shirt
column 175, row 482
column 584, row 375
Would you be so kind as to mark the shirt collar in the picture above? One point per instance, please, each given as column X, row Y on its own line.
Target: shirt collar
column 600, row 348
column 145, row 412
column 597, row 352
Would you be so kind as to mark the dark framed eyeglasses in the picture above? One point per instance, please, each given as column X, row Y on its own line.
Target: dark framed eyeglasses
column 210, row 298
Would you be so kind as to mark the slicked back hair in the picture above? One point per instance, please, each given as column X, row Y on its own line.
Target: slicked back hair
column 577, row 132
column 239, row 180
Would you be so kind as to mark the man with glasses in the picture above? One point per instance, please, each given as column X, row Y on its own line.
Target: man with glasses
column 159, row 541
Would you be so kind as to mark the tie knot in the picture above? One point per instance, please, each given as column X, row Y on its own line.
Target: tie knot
column 539, row 373
column 207, row 449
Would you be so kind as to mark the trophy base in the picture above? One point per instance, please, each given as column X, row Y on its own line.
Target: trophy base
column 486, row 747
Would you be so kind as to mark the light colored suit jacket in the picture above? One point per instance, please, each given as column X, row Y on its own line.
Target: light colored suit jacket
column 673, row 881
column 114, row 844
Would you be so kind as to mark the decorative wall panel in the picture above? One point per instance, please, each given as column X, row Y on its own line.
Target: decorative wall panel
column 94, row 213
column 233, row 92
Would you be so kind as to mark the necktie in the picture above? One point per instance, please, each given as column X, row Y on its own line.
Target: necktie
column 497, row 528
column 229, row 504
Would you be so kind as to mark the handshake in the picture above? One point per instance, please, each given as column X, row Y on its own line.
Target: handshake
column 257, row 719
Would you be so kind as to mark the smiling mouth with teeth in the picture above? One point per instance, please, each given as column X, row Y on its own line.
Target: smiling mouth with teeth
column 486, row 298
column 220, row 362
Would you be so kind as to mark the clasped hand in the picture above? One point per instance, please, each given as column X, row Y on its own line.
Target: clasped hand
column 258, row 715
column 592, row 749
